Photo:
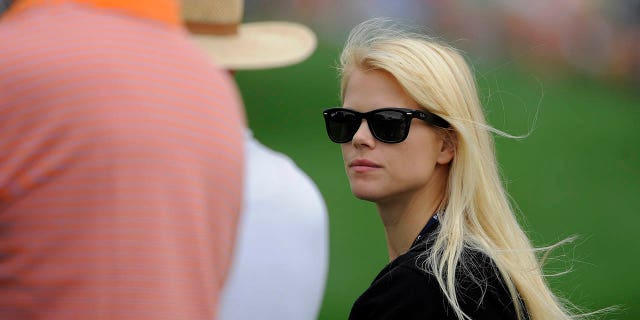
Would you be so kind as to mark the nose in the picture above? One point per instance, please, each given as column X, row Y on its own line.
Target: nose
column 363, row 137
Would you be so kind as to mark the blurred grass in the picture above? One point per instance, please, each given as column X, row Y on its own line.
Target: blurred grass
column 577, row 173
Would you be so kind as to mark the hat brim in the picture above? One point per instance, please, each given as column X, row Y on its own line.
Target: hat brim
column 259, row 45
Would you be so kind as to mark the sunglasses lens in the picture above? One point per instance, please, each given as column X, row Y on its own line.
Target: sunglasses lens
column 342, row 125
column 389, row 126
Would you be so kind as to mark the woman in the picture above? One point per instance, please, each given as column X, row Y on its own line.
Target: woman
column 415, row 142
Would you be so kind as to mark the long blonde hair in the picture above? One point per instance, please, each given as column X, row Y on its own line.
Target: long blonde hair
column 477, row 213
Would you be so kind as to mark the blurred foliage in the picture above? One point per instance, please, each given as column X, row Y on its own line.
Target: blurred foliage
column 576, row 173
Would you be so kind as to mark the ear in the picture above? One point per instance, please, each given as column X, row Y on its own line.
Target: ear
column 448, row 149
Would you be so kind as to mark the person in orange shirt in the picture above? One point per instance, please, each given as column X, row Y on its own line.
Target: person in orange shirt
column 121, row 159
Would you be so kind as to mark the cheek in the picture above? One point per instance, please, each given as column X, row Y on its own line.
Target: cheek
column 409, row 166
column 414, row 164
column 345, row 150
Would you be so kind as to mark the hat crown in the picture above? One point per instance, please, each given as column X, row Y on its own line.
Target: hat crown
column 213, row 11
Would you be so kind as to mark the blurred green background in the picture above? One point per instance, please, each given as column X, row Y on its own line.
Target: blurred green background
column 577, row 173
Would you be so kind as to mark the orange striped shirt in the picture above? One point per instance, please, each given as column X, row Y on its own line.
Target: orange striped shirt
column 120, row 164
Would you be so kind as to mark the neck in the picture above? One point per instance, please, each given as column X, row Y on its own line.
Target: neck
column 405, row 215
column 167, row 11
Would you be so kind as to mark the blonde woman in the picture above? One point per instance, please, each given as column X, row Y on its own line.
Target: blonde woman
column 415, row 142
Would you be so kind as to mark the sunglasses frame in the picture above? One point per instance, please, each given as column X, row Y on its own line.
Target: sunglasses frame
column 426, row 116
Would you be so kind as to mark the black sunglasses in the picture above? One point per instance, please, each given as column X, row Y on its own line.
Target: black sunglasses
column 389, row 125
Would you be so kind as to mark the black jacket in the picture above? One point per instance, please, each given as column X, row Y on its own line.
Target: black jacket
column 403, row 291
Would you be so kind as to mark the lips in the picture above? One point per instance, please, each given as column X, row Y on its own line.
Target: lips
column 363, row 165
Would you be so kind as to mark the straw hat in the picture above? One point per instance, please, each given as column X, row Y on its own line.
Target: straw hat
column 216, row 27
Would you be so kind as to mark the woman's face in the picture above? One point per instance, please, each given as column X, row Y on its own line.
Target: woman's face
column 379, row 171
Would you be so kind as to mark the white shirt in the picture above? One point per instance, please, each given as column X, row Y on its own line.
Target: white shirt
column 281, row 255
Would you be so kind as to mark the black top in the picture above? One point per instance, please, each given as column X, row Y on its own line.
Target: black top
column 403, row 291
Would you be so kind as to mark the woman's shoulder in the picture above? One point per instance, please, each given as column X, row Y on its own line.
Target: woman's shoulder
column 480, row 286
column 400, row 291
column 406, row 289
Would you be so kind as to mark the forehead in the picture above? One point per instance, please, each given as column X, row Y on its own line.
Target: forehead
column 373, row 89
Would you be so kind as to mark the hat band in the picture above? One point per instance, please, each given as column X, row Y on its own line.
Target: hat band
column 212, row 28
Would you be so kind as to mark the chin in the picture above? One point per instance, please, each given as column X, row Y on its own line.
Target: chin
column 366, row 194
